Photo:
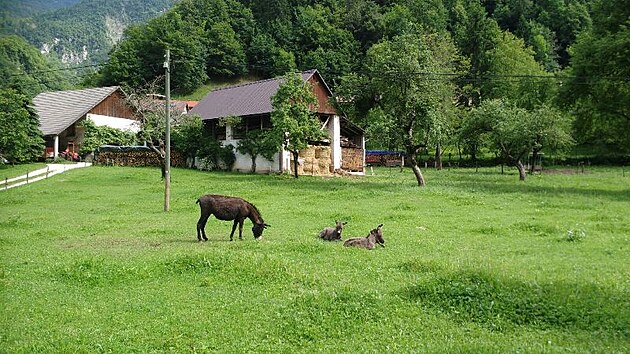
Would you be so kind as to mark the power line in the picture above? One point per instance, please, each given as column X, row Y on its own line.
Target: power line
column 461, row 77
column 500, row 77
column 56, row 70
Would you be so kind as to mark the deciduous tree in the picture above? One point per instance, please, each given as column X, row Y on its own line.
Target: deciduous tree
column 294, row 123
column 513, row 74
column 598, row 88
column 20, row 137
column 256, row 143
column 403, row 82
column 516, row 132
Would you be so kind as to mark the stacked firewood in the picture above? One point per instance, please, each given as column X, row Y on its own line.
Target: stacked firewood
column 137, row 158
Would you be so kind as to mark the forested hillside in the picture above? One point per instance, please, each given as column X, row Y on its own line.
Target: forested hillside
column 30, row 7
column 231, row 37
column 421, row 74
column 517, row 51
column 83, row 33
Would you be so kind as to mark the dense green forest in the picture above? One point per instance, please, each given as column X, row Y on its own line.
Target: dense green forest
column 31, row 7
column 566, row 55
column 423, row 75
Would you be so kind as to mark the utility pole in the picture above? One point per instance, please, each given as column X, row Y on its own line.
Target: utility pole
column 167, row 157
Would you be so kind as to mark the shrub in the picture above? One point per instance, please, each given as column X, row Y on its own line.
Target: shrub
column 213, row 156
column 98, row 136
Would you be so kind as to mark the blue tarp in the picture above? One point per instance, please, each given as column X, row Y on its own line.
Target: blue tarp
column 384, row 152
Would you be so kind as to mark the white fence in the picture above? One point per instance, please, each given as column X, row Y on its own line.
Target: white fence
column 37, row 175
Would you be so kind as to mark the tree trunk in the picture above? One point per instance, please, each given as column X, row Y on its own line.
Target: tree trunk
column 438, row 157
column 416, row 170
column 254, row 163
column 419, row 176
column 295, row 154
column 522, row 173
column 161, row 156
column 532, row 168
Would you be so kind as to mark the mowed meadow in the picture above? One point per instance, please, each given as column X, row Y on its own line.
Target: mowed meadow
column 475, row 262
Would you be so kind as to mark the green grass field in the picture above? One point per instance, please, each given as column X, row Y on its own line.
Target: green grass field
column 12, row 171
column 475, row 262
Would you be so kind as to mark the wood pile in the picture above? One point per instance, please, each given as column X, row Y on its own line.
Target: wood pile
column 347, row 143
column 137, row 159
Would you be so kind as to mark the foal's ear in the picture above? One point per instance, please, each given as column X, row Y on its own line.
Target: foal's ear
column 381, row 225
column 345, row 222
column 266, row 226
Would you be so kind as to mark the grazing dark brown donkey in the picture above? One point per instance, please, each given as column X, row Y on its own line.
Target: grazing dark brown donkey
column 374, row 237
column 229, row 208
column 332, row 233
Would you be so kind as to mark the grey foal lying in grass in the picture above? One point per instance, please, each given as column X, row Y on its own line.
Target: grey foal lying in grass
column 332, row 233
column 374, row 237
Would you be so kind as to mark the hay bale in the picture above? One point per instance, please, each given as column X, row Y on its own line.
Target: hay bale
column 318, row 152
column 307, row 153
column 300, row 168
column 324, row 167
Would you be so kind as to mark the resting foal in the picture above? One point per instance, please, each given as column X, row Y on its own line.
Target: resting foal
column 374, row 237
column 332, row 233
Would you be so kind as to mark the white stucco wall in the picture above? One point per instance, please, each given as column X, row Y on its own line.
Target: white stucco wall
column 243, row 162
column 115, row 122
column 282, row 160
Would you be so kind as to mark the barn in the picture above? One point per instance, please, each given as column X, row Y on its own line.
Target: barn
column 61, row 112
column 343, row 150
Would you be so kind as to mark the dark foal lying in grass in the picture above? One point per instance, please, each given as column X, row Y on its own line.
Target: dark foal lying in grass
column 332, row 233
column 374, row 237
column 229, row 208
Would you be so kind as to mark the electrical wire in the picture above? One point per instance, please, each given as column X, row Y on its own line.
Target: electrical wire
column 55, row 70
column 433, row 76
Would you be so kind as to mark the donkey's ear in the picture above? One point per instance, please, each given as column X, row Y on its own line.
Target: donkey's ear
column 381, row 225
column 266, row 226
column 345, row 222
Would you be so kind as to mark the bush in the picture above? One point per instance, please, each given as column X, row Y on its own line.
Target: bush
column 98, row 136
column 213, row 156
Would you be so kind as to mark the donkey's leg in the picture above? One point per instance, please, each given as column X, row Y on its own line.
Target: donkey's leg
column 201, row 227
column 240, row 229
column 233, row 229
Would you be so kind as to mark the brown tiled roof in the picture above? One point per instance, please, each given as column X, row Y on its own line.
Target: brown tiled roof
column 243, row 100
column 59, row 110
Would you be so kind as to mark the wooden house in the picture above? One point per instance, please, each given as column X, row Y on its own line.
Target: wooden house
column 344, row 149
column 61, row 112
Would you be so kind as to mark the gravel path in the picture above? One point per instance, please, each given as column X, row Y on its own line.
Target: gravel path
column 50, row 170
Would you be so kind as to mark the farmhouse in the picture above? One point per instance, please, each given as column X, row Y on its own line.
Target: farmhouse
column 61, row 112
column 344, row 149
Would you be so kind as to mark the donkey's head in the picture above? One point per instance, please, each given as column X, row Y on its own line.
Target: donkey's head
column 339, row 226
column 258, row 229
column 378, row 235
